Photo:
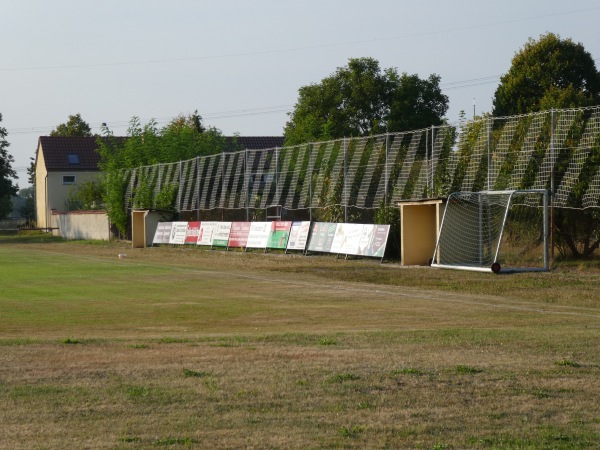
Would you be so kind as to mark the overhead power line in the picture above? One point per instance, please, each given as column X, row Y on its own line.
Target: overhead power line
column 120, row 124
column 294, row 49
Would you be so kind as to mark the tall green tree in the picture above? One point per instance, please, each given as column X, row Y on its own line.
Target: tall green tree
column 7, row 174
column 548, row 73
column 557, row 73
column 360, row 99
column 74, row 126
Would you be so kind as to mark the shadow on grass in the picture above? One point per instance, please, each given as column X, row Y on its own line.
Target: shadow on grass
column 27, row 237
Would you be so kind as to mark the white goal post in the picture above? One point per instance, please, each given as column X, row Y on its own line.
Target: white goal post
column 494, row 231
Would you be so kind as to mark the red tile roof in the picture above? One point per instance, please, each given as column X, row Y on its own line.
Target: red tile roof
column 58, row 148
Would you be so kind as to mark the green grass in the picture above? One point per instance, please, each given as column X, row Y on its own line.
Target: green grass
column 174, row 349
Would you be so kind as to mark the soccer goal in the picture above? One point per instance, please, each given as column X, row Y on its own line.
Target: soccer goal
column 494, row 231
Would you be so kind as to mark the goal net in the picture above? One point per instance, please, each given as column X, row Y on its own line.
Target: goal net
column 494, row 231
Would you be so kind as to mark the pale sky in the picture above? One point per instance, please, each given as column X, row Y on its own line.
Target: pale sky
column 241, row 63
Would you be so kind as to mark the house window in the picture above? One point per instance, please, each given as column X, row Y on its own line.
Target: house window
column 73, row 159
column 69, row 179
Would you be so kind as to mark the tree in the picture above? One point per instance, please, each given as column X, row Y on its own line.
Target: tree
column 182, row 139
column 193, row 122
column 31, row 171
column 28, row 208
column 7, row 174
column 360, row 100
column 75, row 126
column 87, row 195
column 557, row 73
column 548, row 73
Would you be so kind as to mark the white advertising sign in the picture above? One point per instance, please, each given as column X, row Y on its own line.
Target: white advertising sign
column 178, row 232
column 163, row 231
column 206, row 233
column 221, row 234
column 298, row 235
column 346, row 239
column 259, row 235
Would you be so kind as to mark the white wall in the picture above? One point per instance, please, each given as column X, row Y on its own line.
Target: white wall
column 82, row 225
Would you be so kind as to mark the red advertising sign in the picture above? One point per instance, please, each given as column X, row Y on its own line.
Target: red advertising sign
column 191, row 235
column 238, row 235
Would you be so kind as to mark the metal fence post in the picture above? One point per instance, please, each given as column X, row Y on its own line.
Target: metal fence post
column 277, row 170
column 310, row 148
column 552, row 125
column 247, row 180
column 489, row 154
column 179, row 193
column 345, row 180
column 426, row 159
column 430, row 171
column 386, row 174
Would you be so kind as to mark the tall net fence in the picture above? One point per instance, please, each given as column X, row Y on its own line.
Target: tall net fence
column 557, row 150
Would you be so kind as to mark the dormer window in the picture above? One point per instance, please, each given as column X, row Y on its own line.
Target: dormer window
column 73, row 159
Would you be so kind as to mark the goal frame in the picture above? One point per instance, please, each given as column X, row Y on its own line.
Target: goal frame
column 495, row 266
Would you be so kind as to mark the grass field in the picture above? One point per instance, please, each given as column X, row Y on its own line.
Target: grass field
column 189, row 348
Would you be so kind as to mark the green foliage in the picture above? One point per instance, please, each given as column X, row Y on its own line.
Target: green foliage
column 327, row 341
column 577, row 232
column 343, row 377
column 142, row 194
column 360, row 100
column 166, row 198
column 467, row 370
column 189, row 373
column 114, row 200
column 470, row 135
column 567, row 363
column 182, row 139
column 407, row 371
column 442, row 178
column 75, row 126
column 31, row 171
column 168, row 441
column 510, row 159
column 7, row 174
column 548, row 73
column 28, row 208
column 87, row 195
column 554, row 73
column 351, row 432
column 387, row 214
